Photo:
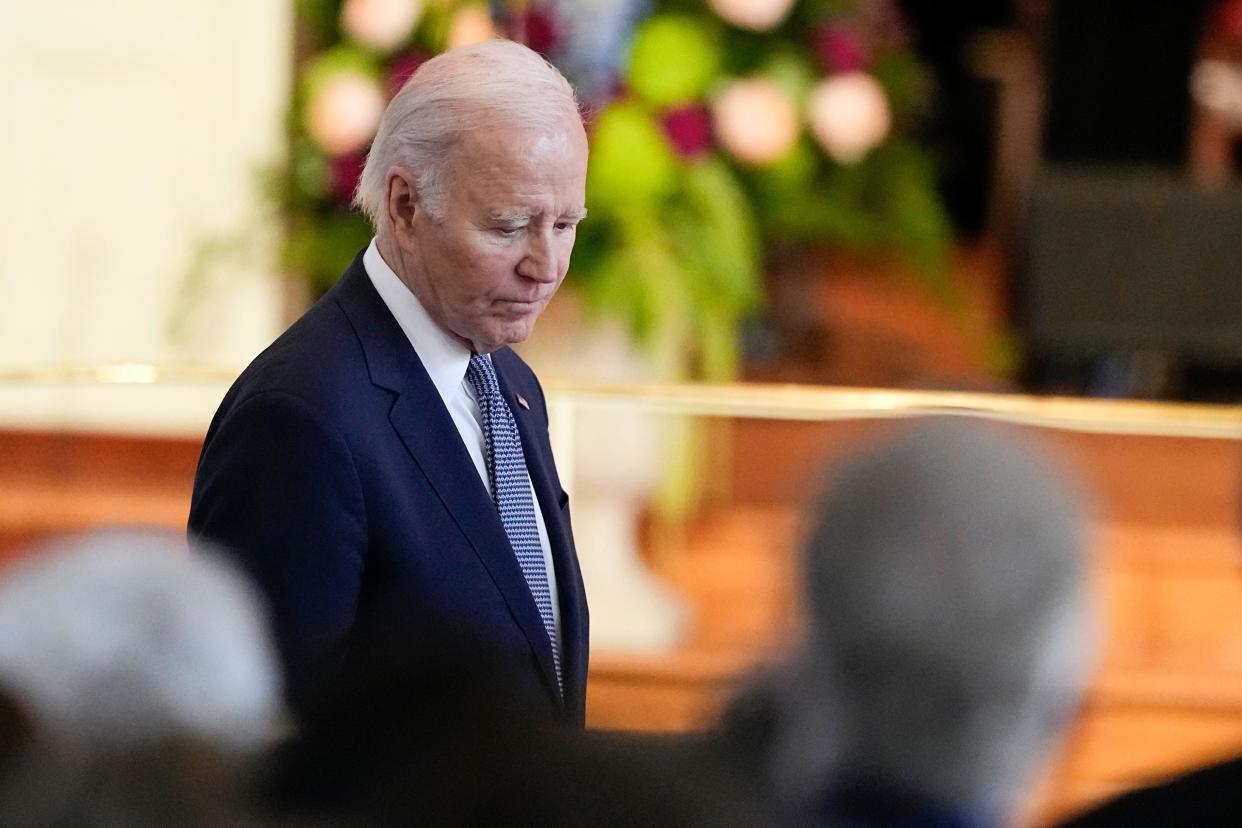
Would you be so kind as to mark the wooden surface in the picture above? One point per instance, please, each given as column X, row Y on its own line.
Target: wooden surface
column 1165, row 562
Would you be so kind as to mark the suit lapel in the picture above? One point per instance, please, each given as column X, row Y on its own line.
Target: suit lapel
column 426, row 428
column 435, row 444
column 531, row 425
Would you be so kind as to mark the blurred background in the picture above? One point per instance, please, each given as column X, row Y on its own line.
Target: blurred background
column 1027, row 195
column 983, row 206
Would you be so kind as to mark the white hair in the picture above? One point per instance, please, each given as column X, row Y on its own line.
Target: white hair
column 949, row 624
column 122, row 639
column 497, row 82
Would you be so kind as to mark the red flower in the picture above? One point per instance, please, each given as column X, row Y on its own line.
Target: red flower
column 542, row 30
column 617, row 88
column 1228, row 20
column 839, row 49
column 343, row 174
column 689, row 129
column 399, row 71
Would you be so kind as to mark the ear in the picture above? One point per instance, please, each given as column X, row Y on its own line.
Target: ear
column 402, row 202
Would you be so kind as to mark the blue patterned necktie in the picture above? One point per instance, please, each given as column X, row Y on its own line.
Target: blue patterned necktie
column 506, row 469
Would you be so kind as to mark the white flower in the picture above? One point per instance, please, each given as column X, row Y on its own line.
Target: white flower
column 381, row 24
column 756, row 15
column 344, row 112
column 849, row 115
column 472, row 24
column 755, row 121
column 1217, row 85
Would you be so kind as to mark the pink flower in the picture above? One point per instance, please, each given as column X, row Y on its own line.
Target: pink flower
column 399, row 71
column 839, row 49
column 689, row 129
column 343, row 174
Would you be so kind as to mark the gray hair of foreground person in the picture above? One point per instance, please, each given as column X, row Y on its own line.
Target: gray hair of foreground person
column 949, row 627
column 454, row 93
column 120, row 639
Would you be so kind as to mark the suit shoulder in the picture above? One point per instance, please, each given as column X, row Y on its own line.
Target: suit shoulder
column 318, row 359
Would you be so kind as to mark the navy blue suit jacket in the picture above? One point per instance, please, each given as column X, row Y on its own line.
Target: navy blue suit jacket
column 334, row 472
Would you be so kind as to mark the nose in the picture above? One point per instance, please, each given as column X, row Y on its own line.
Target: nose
column 539, row 264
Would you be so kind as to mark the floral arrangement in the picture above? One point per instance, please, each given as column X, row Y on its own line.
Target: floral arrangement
column 727, row 128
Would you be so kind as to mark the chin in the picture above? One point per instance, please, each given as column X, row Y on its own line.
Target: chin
column 514, row 332
column 495, row 341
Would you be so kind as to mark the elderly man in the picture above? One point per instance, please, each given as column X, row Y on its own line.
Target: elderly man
column 384, row 469
column 949, row 633
column 136, row 683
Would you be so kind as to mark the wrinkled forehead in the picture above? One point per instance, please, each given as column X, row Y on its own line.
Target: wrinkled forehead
column 501, row 158
column 499, row 134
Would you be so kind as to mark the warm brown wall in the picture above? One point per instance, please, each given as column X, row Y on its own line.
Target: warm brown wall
column 53, row 482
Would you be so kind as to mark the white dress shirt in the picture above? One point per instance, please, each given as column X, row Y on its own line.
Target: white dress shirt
column 446, row 360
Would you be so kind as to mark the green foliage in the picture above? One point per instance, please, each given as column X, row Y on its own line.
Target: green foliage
column 319, row 16
column 681, row 274
column 674, row 59
column 631, row 163
column 330, row 62
column 322, row 246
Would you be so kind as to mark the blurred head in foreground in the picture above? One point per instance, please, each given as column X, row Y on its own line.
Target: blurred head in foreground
column 129, row 662
column 948, row 627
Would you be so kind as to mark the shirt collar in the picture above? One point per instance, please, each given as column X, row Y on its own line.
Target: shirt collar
column 444, row 357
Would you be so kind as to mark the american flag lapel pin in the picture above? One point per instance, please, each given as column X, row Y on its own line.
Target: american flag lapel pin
column 522, row 402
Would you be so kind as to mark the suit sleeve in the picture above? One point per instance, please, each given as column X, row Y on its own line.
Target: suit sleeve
column 277, row 487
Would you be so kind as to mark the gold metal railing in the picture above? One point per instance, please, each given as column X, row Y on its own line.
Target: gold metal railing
column 801, row 402
column 753, row 400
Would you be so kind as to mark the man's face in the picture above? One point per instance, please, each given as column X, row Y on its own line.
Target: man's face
column 486, row 269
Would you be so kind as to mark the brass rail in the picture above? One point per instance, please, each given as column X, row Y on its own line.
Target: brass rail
column 755, row 400
column 804, row 402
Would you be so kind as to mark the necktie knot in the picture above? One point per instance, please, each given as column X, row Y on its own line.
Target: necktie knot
column 482, row 376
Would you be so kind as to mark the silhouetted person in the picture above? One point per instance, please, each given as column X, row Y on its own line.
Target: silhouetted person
column 397, row 742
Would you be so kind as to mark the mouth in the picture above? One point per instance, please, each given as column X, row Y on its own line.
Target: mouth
column 518, row 307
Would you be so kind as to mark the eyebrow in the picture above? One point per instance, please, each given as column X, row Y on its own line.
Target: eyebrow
column 513, row 215
column 521, row 214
